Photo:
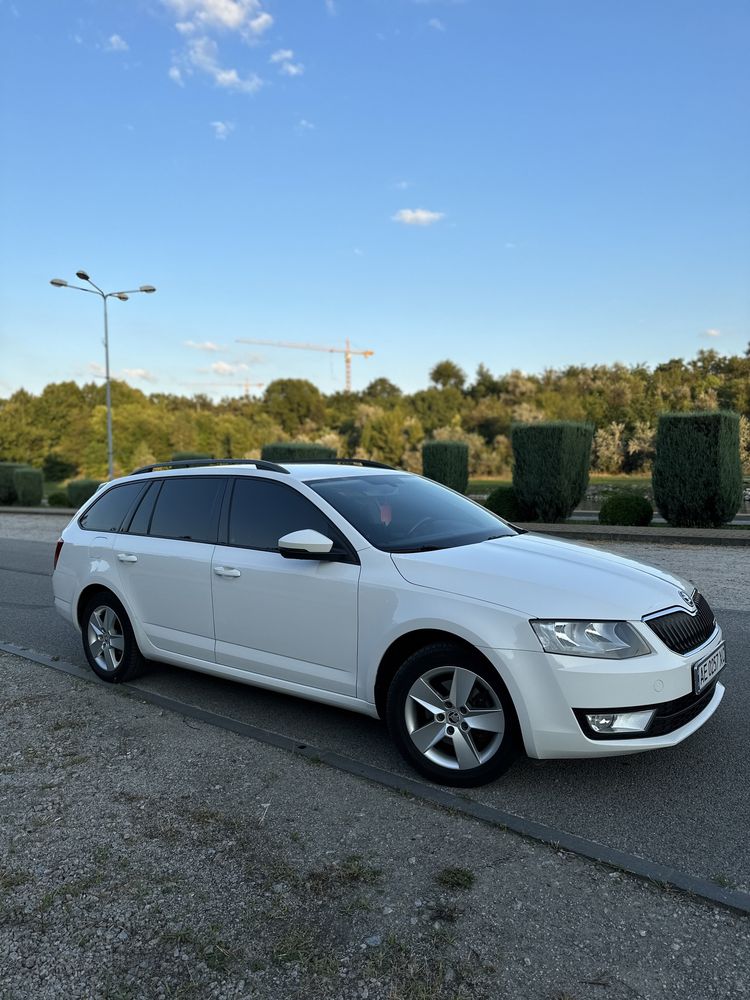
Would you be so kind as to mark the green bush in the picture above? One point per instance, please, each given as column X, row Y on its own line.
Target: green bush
column 190, row 456
column 697, row 477
column 79, row 490
column 624, row 507
column 447, row 462
column 7, row 485
column 56, row 469
column 295, row 451
column 58, row 499
column 503, row 501
column 29, row 486
column 551, row 467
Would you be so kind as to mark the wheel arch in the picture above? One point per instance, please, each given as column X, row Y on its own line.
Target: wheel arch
column 405, row 646
column 87, row 593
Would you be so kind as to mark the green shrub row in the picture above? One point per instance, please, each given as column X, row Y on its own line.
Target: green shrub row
column 28, row 485
column 295, row 451
column 79, row 490
column 625, row 507
column 447, row 462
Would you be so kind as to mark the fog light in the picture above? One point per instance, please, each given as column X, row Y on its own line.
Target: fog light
column 620, row 722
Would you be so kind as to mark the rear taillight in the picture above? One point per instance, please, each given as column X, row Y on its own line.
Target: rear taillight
column 58, row 550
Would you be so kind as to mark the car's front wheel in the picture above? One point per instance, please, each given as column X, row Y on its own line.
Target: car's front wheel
column 451, row 716
column 108, row 640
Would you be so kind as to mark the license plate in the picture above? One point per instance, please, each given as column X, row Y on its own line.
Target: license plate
column 706, row 670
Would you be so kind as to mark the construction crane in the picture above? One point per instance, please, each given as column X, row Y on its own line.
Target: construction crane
column 347, row 351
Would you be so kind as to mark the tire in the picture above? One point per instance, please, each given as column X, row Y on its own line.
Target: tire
column 116, row 659
column 465, row 744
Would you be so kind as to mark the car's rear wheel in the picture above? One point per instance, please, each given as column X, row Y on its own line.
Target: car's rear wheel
column 451, row 716
column 108, row 640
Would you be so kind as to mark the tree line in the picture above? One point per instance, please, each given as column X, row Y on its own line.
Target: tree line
column 63, row 428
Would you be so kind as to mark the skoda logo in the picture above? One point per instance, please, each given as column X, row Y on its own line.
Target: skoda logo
column 686, row 598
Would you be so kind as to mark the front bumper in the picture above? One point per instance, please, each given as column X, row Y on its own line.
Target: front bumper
column 547, row 689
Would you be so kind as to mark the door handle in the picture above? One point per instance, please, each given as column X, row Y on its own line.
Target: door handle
column 126, row 557
column 226, row 571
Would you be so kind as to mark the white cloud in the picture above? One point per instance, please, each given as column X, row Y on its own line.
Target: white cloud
column 358, row 252
column 303, row 125
column 244, row 16
column 222, row 129
column 185, row 27
column 116, row 43
column 417, row 216
column 176, row 75
column 225, row 368
column 283, row 59
column 96, row 369
column 331, row 7
column 142, row 373
column 203, row 55
column 402, row 185
column 203, row 345
column 712, row 332
column 436, row 24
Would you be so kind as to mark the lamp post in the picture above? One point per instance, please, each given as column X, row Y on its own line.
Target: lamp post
column 123, row 297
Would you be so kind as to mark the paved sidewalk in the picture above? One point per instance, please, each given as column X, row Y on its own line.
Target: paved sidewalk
column 146, row 856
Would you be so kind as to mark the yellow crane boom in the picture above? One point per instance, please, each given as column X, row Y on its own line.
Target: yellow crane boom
column 347, row 351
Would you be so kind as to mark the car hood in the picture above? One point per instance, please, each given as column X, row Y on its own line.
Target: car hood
column 545, row 578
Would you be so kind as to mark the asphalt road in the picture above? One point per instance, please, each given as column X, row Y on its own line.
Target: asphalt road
column 688, row 807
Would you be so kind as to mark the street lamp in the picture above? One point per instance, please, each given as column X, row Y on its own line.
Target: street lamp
column 123, row 297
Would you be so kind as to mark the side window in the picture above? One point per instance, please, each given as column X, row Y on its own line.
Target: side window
column 140, row 520
column 263, row 511
column 188, row 508
column 107, row 513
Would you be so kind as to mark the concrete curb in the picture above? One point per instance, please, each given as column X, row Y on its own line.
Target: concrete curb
column 665, row 536
column 64, row 511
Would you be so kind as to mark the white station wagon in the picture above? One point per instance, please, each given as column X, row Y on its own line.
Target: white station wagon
column 368, row 588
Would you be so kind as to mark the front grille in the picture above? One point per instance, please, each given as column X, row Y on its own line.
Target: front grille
column 683, row 632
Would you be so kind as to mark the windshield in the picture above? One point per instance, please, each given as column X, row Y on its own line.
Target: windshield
column 409, row 514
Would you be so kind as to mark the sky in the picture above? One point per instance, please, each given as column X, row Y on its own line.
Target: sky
column 521, row 183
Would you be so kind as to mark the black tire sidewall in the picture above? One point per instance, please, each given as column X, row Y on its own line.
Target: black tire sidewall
column 132, row 660
column 450, row 655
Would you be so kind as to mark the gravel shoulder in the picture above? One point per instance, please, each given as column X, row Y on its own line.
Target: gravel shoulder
column 144, row 855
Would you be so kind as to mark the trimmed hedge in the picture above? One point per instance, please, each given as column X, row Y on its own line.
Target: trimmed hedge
column 503, row 501
column 29, row 487
column 446, row 462
column 79, row 490
column 626, row 508
column 190, row 456
column 551, row 467
column 58, row 499
column 7, row 484
column 55, row 468
column 697, row 477
column 295, row 451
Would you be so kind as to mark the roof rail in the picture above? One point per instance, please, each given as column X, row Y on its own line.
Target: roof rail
column 196, row 463
column 364, row 462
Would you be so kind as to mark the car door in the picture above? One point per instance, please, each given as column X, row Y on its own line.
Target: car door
column 290, row 619
column 164, row 561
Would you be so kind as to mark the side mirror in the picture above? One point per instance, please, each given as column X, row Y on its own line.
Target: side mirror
column 305, row 544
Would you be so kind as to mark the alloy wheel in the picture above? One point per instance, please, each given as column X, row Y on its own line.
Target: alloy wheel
column 105, row 638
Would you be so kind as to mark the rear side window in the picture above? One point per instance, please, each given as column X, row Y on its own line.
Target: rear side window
column 140, row 520
column 188, row 509
column 263, row 511
column 108, row 512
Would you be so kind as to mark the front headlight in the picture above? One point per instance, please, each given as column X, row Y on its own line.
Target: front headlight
column 609, row 640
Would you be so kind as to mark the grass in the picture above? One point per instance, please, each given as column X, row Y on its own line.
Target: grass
column 481, row 485
column 455, row 878
column 351, row 871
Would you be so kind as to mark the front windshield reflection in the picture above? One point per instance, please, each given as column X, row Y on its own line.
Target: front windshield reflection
column 405, row 513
